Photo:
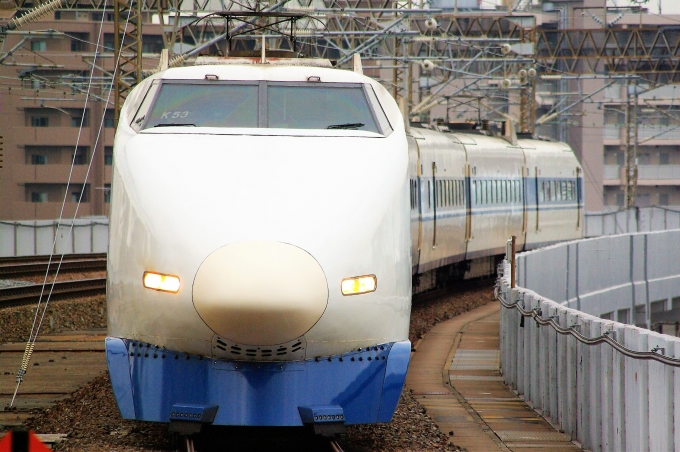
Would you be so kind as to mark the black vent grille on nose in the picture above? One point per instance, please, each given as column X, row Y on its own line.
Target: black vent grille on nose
column 223, row 348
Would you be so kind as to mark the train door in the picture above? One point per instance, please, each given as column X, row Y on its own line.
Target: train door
column 415, row 185
column 468, row 205
column 536, row 198
column 435, row 201
column 428, row 178
column 578, row 197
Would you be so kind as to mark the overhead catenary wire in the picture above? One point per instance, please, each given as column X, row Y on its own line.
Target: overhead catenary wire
column 37, row 324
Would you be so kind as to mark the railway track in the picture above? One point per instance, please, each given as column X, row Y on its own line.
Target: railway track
column 15, row 267
column 26, row 295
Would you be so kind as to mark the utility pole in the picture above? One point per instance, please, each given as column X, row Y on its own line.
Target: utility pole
column 631, row 141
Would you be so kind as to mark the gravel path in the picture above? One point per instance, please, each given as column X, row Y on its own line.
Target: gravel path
column 91, row 420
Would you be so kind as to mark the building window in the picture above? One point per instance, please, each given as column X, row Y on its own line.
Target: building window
column 619, row 199
column 108, row 42
column 108, row 156
column 107, row 193
column 663, row 199
column 76, row 121
column 38, row 196
column 39, row 121
column 80, row 156
column 663, row 159
column 642, row 200
column 79, row 41
column 79, row 192
column 152, row 44
column 620, row 158
column 38, row 159
column 108, row 118
column 38, row 46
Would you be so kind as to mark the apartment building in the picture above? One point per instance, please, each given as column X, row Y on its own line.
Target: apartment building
column 44, row 76
column 44, row 79
column 658, row 152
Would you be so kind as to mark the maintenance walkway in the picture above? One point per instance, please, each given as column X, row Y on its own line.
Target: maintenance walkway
column 455, row 374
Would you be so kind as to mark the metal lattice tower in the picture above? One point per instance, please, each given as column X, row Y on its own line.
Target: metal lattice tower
column 127, row 20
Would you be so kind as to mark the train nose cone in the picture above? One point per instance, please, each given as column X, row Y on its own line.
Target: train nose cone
column 260, row 293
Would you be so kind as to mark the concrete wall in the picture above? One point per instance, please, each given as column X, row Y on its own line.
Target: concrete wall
column 637, row 219
column 607, row 401
column 615, row 276
column 25, row 238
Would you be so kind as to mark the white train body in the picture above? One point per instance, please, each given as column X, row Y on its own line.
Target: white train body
column 266, row 220
column 470, row 192
column 261, row 225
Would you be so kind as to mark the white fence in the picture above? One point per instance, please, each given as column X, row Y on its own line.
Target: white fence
column 25, row 238
column 608, row 399
column 637, row 219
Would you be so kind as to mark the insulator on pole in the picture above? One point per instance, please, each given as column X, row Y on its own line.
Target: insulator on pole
column 25, row 361
column 34, row 14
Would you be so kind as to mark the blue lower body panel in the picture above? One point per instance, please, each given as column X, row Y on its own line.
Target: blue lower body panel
column 147, row 382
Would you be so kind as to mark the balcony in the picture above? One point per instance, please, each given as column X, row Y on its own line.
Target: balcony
column 647, row 134
column 49, row 174
column 612, row 175
column 48, row 210
column 647, row 175
column 658, row 174
column 51, row 136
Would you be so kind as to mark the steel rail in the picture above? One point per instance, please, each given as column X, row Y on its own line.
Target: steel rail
column 40, row 268
column 26, row 295
column 335, row 446
column 536, row 314
column 42, row 258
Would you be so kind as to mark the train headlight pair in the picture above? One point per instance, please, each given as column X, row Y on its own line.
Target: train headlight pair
column 158, row 281
column 349, row 286
column 359, row 284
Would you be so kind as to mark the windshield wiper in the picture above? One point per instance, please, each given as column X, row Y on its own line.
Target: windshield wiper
column 349, row 125
column 174, row 125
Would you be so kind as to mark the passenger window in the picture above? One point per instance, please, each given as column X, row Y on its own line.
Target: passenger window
column 448, row 192
column 439, row 194
column 553, row 191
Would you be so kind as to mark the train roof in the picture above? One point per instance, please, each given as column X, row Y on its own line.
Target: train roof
column 487, row 141
column 282, row 71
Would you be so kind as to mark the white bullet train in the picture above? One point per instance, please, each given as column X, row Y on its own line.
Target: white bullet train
column 266, row 223
column 471, row 190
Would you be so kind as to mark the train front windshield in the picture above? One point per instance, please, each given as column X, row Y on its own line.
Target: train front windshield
column 266, row 105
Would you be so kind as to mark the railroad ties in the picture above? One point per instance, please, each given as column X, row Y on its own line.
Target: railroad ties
column 61, row 364
column 455, row 374
column 21, row 293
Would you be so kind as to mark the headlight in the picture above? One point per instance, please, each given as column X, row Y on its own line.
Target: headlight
column 359, row 284
column 157, row 281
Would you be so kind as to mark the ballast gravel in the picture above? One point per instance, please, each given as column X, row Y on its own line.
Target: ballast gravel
column 91, row 421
